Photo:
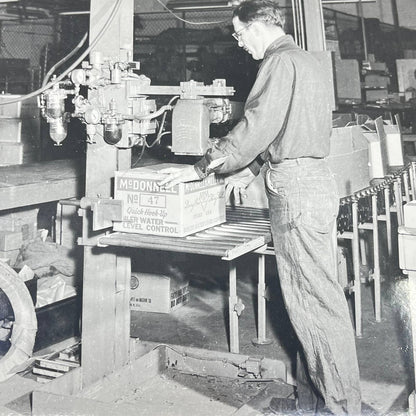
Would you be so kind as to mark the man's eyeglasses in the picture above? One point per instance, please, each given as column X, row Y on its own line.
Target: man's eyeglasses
column 237, row 35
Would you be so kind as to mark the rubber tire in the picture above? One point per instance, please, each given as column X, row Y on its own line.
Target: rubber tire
column 25, row 324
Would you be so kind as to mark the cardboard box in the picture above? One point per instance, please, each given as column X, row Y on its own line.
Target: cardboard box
column 376, row 156
column 9, row 256
column 21, row 109
column 20, row 131
column 182, row 210
column 406, row 74
column 10, row 240
column 157, row 293
column 348, row 159
column 407, row 248
column 394, row 145
column 409, row 212
column 24, row 220
column 11, row 129
column 17, row 153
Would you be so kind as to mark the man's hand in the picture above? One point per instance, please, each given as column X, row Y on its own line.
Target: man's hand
column 236, row 184
column 178, row 175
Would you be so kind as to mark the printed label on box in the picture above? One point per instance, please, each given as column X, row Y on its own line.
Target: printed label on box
column 182, row 210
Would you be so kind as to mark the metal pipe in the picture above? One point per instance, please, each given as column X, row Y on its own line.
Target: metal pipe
column 72, row 202
column 232, row 302
column 388, row 221
column 261, row 304
column 301, row 26
column 398, row 196
column 376, row 260
column 361, row 15
column 356, row 266
column 295, row 29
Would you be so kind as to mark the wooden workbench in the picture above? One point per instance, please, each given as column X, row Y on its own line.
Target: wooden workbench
column 37, row 183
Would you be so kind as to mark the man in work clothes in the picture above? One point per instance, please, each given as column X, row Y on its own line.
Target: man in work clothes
column 285, row 133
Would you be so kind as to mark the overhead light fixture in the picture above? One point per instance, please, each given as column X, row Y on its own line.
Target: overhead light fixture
column 197, row 5
column 346, row 1
column 74, row 13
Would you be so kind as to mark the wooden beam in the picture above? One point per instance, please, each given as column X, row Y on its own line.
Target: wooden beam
column 98, row 315
column 37, row 183
column 105, row 313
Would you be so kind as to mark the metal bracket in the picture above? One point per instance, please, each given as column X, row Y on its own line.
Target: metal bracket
column 105, row 211
column 239, row 307
column 251, row 368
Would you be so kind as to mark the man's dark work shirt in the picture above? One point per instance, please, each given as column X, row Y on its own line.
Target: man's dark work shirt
column 287, row 114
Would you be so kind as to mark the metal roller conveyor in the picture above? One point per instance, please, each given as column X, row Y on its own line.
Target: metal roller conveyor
column 362, row 211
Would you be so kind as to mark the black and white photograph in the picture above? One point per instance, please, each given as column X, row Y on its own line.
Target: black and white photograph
column 207, row 207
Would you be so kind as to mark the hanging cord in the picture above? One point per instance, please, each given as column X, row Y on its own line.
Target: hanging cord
column 74, row 65
column 160, row 134
column 64, row 59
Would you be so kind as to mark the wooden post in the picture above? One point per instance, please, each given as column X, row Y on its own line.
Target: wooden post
column 105, row 312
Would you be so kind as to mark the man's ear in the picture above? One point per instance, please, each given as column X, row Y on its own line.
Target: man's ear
column 257, row 28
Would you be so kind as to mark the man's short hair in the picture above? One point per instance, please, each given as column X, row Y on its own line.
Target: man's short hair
column 267, row 11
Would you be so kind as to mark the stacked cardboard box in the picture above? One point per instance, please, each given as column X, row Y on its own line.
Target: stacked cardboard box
column 16, row 228
column 19, row 131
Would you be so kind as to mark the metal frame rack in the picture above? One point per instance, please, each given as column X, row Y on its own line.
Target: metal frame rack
column 246, row 230
column 363, row 211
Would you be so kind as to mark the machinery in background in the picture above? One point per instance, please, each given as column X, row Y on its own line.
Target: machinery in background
column 406, row 77
column 123, row 112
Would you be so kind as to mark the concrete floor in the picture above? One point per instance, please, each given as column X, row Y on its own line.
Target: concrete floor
column 384, row 350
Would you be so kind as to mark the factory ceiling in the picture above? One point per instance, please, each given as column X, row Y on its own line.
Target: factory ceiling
column 40, row 9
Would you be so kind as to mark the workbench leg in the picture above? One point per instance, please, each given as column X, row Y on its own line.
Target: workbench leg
column 412, row 301
column 398, row 197
column 376, row 259
column 388, row 222
column 122, row 311
column 356, row 266
column 406, row 186
column 67, row 227
column 233, row 307
column 363, row 249
column 98, row 324
column 261, row 304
